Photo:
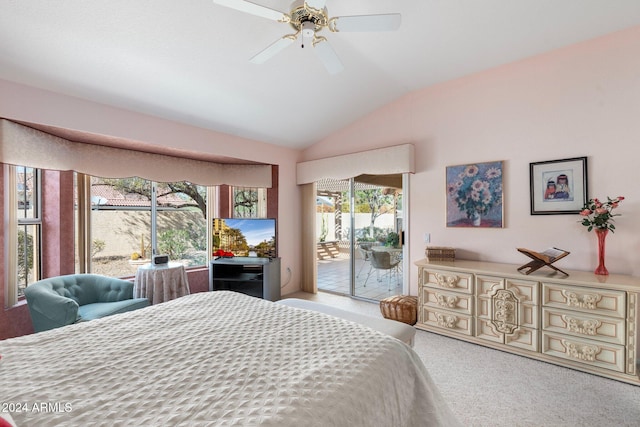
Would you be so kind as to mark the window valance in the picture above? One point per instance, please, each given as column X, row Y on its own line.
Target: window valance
column 382, row 161
column 22, row 145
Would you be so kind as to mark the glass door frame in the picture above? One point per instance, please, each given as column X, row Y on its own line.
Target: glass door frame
column 404, row 238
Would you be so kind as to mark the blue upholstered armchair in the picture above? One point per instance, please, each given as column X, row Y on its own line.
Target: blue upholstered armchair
column 63, row 300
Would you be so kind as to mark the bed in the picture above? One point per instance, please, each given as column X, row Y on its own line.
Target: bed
column 217, row 358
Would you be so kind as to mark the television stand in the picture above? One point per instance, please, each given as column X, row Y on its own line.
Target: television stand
column 258, row 277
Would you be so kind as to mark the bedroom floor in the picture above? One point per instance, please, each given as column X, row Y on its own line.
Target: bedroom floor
column 334, row 274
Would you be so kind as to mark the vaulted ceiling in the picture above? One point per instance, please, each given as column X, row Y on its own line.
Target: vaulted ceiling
column 188, row 61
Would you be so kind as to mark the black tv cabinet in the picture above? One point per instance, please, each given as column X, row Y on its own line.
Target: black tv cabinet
column 258, row 277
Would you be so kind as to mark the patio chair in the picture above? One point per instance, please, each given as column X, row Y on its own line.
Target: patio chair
column 382, row 260
column 366, row 258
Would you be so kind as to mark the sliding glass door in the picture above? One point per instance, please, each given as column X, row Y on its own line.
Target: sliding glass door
column 360, row 227
column 334, row 250
column 377, row 225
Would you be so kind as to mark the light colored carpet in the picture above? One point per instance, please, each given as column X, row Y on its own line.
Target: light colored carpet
column 486, row 387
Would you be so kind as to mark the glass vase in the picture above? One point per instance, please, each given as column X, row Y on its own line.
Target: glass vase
column 601, row 233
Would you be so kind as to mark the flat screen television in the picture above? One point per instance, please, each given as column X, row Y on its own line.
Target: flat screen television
column 252, row 237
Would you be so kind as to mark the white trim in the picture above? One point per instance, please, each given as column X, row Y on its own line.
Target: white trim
column 10, row 236
column 406, row 230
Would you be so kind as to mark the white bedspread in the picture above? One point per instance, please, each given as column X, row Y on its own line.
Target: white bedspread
column 217, row 358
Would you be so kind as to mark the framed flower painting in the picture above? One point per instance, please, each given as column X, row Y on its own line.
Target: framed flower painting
column 474, row 195
column 558, row 186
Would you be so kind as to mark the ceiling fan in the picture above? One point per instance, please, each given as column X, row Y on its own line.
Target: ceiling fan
column 308, row 17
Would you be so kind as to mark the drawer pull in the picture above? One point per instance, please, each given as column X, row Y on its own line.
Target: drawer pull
column 581, row 352
column 445, row 321
column 446, row 281
column 584, row 327
column 446, row 301
column 575, row 299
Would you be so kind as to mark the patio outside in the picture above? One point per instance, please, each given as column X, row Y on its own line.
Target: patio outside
column 334, row 276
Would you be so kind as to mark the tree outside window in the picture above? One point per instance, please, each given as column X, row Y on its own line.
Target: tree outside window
column 249, row 202
column 29, row 222
column 121, row 219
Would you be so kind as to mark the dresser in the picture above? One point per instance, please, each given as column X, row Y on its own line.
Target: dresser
column 581, row 321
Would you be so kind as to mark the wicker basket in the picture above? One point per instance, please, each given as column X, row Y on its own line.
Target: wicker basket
column 403, row 308
column 439, row 253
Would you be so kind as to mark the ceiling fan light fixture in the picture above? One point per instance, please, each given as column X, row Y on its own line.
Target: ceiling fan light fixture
column 308, row 29
column 300, row 15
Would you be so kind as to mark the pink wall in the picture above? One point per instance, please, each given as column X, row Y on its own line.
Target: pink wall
column 574, row 102
column 198, row 280
column 57, row 223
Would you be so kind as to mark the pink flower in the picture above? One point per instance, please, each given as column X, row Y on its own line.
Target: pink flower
column 598, row 215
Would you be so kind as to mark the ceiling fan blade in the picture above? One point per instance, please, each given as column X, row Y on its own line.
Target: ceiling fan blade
column 316, row 4
column 328, row 57
column 272, row 49
column 385, row 22
column 254, row 9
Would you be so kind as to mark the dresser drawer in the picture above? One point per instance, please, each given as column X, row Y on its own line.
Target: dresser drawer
column 607, row 329
column 520, row 337
column 448, row 280
column 587, row 352
column 525, row 291
column 508, row 300
column 435, row 298
column 596, row 301
column 525, row 338
column 446, row 320
column 517, row 314
column 487, row 331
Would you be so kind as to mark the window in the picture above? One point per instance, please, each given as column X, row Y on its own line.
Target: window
column 249, row 202
column 25, row 225
column 131, row 219
column 182, row 222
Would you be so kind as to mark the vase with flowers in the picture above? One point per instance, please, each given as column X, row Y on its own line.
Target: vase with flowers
column 476, row 192
column 598, row 216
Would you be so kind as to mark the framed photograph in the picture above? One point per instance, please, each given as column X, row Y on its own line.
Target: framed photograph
column 474, row 195
column 558, row 186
